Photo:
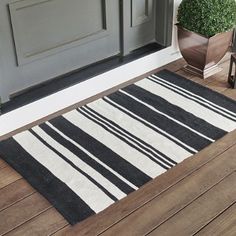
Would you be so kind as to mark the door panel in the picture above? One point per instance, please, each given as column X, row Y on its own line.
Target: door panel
column 44, row 39
column 42, row 28
column 138, row 24
column 141, row 11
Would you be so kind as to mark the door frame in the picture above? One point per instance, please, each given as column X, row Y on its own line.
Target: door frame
column 234, row 41
column 164, row 22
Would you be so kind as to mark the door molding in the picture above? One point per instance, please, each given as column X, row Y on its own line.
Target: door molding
column 164, row 21
column 161, row 11
column 234, row 41
column 138, row 19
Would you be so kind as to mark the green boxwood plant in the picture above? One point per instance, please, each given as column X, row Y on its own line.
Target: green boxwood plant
column 207, row 17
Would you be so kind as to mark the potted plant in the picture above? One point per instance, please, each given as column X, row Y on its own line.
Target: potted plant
column 205, row 29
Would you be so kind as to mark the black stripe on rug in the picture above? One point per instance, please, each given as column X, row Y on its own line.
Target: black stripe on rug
column 103, row 153
column 124, row 139
column 146, row 146
column 84, row 157
column 194, row 98
column 148, row 125
column 198, row 89
column 74, row 166
column 175, row 112
column 70, row 205
column 181, row 133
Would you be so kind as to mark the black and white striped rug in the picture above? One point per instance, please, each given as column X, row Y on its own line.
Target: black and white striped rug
column 93, row 156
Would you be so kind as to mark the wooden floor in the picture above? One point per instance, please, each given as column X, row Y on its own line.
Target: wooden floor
column 197, row 197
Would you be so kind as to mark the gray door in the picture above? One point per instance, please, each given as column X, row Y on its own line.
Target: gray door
column 138, row 24
column 43, row 39
column 47, row 38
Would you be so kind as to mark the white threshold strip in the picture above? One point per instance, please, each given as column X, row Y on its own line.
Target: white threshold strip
column 44, row 107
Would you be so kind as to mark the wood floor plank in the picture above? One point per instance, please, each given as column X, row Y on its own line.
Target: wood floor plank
column 99, row 222
column 218, row 86
column 218, row 82
column 194, row 78
column 231, row 93
column 66, row 231
column 14, row 192
column 21, row 212
column 206, row 207
column 175, row 198
column 2, row 163
column 45, row 224
column 173, row 66
column 8, row 176
column 225, row 224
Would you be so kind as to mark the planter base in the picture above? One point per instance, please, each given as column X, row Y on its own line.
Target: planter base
column 203, row 73
column 202, row 52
